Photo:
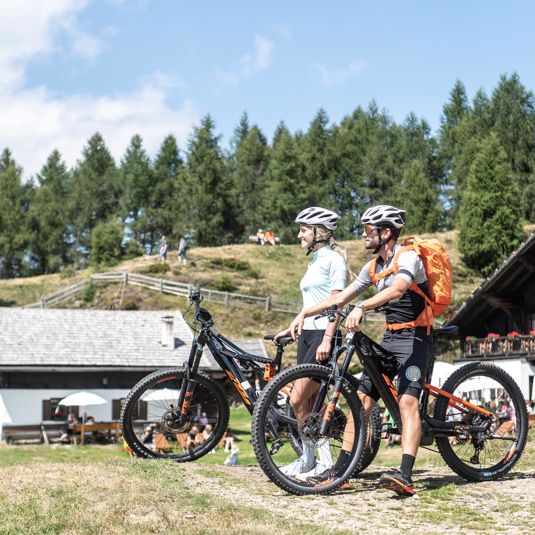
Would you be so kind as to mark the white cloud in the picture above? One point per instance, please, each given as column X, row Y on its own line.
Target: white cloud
column 259, row 61
column 331, row 77
column 86, row 45
column 34, row 121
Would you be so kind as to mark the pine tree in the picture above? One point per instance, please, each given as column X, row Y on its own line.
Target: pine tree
column 172, row 199
column 138, row 181
column 285, row 186
column 249, row 164
column 14, row 202
column 419, row 199
column 96, row 193
column 450, row 144
column 347, row 147
column 490, row 216
column 512, row 109
column 48, row 216
column 315, row 154
column 207, row 174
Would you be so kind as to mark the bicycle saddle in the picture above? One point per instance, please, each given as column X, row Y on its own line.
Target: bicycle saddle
column 447, row 332
column 282, row 341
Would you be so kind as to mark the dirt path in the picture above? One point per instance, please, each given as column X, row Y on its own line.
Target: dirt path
column 443, row 503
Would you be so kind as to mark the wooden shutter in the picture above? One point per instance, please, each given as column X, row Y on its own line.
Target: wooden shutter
column 116, row 406
column 47, row 409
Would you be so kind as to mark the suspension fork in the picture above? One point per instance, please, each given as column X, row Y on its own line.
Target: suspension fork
column 187, row 386
column 331, row 407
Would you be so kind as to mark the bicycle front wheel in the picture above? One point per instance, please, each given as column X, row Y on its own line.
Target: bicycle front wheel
column 482, row 447
column 151, row 421
column 292, row 407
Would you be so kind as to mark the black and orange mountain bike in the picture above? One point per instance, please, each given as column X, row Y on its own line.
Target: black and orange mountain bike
column 163, row 407
column 477, row 439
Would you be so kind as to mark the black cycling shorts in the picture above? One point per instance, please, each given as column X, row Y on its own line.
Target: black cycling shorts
column 412, row 349
column 307, row 345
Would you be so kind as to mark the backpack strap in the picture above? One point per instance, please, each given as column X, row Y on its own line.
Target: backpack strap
column 394, row 267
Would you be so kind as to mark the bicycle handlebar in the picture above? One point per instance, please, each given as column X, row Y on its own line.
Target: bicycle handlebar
column 334, row 311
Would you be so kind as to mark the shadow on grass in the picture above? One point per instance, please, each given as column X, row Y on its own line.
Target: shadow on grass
column 7, row 303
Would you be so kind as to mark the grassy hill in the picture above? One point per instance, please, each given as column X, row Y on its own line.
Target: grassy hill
column 246, row 268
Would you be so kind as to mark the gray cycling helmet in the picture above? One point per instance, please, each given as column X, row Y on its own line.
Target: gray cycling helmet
column 384, row 215
column 318, row 216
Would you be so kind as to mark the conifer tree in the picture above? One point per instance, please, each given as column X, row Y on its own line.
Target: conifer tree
column 138, row 181
column 48, row 216
column 490, row 224
column 207, row 174
column 285, row 186
column 95, row 194
column 249, row 165
column 172, row 198
column 315, row 154
column 419, row 199
column 14, row 202
column 512, row 111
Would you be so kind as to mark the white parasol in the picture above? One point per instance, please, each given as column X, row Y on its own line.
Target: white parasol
column 163, row 394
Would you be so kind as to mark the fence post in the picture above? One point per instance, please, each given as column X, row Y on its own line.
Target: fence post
column 161, row 286
column 268, row 304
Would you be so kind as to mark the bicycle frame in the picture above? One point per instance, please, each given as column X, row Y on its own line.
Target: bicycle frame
column 368, row 352
column 229, row 357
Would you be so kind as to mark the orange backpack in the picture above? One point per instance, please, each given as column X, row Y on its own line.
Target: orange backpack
column 439, row 279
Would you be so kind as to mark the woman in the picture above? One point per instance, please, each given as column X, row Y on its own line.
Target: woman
column 326, row 275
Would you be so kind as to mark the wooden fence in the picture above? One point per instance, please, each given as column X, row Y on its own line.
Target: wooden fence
column 175, row 288
column 166, row 287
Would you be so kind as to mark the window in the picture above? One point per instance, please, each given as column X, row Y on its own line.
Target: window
column 140, row 413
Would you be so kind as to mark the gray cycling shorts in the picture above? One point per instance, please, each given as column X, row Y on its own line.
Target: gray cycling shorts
column 412, row 349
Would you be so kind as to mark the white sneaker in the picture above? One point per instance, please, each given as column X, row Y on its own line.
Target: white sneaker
column 318, row 469
column 297, row 467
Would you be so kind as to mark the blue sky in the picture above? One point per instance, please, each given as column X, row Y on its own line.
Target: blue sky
column 71, row 67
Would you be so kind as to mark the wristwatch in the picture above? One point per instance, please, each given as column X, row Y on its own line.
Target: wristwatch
column 360, row 305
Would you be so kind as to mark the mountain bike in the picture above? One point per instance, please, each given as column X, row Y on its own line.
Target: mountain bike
column 176, row 400
column 475, row 440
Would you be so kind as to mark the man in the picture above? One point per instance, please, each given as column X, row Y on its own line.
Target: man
column 407, row 335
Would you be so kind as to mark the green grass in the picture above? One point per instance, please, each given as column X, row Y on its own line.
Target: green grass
column 97, row 489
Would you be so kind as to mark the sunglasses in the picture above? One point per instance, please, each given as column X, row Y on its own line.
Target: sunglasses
column 368, row 229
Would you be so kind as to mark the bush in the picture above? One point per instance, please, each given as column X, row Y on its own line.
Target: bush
column 129, row 305
column 230, row 263
column 88, row 293
column 133, row 249
column 67, row 273
column 106, row 244
column 224, row 284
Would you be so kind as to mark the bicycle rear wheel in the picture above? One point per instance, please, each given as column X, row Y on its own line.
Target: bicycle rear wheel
column 149, row 416
column 274, row 411
column 373, row 440
column 482, row 448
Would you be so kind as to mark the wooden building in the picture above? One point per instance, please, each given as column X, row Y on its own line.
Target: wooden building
column 497, row 322
column 46, row 354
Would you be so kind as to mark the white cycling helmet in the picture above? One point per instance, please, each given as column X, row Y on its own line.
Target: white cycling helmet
column 384, row 214
column 318, row 216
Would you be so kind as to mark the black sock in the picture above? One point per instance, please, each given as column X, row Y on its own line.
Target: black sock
column 343, row 458
column 407, row 462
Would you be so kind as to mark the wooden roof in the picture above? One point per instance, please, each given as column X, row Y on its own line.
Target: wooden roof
column 61, row 338
column 506, row 288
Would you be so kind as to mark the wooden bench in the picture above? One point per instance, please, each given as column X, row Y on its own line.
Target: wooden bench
column 99, row 426
column 37, row 432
